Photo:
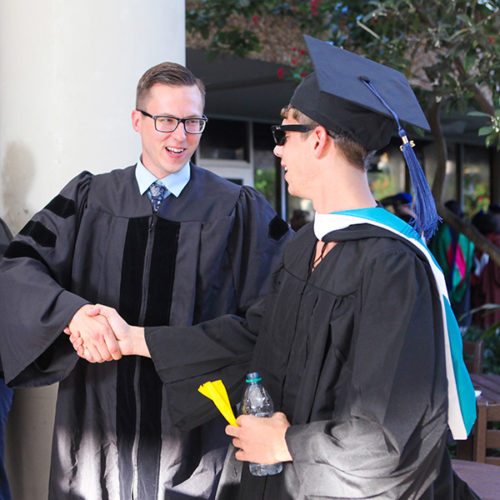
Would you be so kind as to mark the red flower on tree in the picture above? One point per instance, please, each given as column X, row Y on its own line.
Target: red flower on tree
column 314, row 7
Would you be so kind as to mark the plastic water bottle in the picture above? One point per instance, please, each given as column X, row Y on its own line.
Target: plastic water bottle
column 256, row 401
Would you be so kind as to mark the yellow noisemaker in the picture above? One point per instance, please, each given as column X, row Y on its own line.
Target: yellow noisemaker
column 216, row 391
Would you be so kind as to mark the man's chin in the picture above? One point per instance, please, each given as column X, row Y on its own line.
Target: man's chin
column 172, row 168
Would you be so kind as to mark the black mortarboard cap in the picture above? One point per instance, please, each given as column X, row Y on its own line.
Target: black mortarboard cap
column 367, row 101
column 336, row 96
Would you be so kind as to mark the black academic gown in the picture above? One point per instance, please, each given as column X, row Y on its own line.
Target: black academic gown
column 353, row 354
column 206, row 253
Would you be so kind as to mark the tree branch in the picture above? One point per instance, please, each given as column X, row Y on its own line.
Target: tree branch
column 434, row 115
column 484, row 103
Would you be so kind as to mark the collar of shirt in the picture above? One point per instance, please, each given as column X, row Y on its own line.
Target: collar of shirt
column 175, row 182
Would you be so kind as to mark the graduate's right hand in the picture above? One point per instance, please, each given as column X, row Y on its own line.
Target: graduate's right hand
column 92, row 337
column 130, row 338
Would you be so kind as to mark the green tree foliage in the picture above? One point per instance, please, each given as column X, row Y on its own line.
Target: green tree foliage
column 448, row 49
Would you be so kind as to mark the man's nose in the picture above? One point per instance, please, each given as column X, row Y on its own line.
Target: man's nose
column 180, row 131
column 277, row 151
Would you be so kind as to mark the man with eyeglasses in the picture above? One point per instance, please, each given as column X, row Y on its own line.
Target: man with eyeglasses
column 164, row 242
column 356, row 342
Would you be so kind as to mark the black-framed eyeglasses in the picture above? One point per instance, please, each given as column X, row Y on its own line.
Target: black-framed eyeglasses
column 166, row 123
column 279, row 131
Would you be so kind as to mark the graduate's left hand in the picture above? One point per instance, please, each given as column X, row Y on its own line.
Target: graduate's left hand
column 260, row 440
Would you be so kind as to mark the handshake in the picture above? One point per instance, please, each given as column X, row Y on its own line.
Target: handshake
column 98, row 333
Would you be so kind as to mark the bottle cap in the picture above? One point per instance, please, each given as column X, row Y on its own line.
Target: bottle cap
column 253, row 377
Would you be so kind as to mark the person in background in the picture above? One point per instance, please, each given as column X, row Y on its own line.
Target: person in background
column 401, row 204
column 6, row 394
column 356, row 343
column 164, row 242
column 486, row 277
column 454, row 252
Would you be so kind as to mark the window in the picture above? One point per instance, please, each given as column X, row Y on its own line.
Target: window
column 387, row 173
column 264, row 162
column 476, row 179
column 225, row 140
column 450, row 181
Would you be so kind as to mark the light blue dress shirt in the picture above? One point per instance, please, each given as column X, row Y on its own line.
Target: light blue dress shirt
column 175, row 182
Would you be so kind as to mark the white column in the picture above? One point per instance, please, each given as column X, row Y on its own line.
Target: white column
column 68, row 72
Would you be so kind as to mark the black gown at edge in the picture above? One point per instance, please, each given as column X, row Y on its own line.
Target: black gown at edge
column 206, row 253
column 352, row 353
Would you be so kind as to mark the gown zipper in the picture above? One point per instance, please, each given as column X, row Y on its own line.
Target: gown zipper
column 142, row 317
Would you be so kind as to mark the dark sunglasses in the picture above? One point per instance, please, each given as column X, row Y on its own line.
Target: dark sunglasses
column 279, row 131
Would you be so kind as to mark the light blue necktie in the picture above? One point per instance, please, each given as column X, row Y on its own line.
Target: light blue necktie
column 157, row 192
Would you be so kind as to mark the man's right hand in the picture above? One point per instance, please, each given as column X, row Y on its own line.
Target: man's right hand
column 97, row 340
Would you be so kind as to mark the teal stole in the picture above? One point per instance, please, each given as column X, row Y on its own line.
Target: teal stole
column 461, row 396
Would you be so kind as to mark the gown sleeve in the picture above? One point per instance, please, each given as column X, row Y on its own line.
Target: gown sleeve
column 222, row 348
column 256, row 244
column 391, row 403
column 35, row 301
column 186, row 357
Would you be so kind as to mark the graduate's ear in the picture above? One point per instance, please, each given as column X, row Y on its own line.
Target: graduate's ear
column 321, row 141
column 136, row 120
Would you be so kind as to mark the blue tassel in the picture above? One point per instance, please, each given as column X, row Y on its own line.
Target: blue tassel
column 427, row 218
column 426, row 214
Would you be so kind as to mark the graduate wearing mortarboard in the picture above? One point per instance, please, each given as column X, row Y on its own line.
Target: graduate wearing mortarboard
column 356, row 343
